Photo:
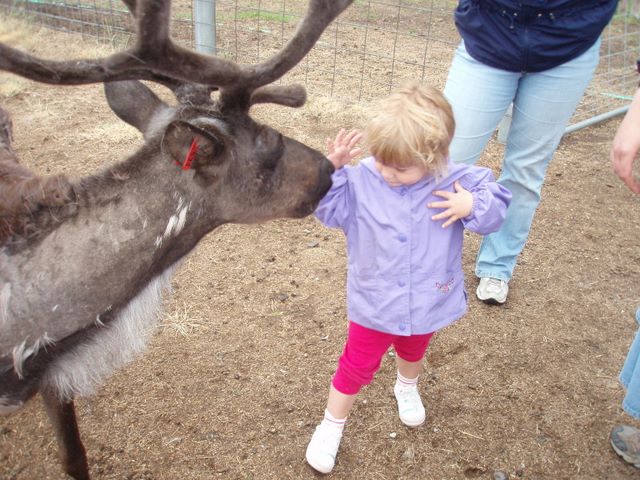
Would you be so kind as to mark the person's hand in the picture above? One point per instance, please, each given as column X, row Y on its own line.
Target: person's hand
column 626, row 145
column 343, row 149
column 458, row 205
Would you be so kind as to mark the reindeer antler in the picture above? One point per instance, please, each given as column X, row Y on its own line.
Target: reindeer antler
column 157, row 58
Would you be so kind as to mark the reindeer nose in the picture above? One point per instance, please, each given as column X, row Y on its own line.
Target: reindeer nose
column 327, row 167
column 324, row 180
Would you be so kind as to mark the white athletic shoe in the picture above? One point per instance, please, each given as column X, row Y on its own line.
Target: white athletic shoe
column 323, row 447
column 410, row 407
column 492, row 290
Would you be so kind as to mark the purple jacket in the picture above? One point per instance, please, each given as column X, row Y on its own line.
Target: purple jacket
column 404, row 271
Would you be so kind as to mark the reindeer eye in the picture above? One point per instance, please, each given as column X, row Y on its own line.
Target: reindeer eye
column 270, row 148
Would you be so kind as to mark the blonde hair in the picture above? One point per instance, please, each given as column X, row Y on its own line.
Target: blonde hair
column 413, row 126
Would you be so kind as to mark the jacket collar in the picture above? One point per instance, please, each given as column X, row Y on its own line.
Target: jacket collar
column 369, row 164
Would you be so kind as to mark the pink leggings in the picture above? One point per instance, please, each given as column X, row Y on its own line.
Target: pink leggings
column 363, row 353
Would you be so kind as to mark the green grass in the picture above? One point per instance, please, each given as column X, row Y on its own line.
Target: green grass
column 266, row 16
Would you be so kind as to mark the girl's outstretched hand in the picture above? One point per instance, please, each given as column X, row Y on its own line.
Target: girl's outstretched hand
column 343, row 149
column 458, row 205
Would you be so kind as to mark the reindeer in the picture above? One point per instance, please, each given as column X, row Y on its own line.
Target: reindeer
column 81, row 286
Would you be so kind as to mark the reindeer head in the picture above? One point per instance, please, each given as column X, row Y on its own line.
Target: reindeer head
column 246, row 171
column 252, row 171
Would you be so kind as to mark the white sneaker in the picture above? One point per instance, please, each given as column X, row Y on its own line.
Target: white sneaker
column 492, row 290
column 410, row 408
column 323, row 447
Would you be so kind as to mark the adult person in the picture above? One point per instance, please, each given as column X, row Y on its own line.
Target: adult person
column 625, row 439
column 538, row 55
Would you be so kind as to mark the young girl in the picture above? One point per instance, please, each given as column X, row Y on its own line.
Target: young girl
column 403, row 211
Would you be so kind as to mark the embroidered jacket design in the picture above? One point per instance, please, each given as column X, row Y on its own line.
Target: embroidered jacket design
column 445, row 287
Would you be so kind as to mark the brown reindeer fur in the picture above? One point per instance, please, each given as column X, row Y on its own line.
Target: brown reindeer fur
column 22, row 192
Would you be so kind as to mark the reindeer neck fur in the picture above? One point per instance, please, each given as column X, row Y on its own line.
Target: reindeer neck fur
column 127, row 228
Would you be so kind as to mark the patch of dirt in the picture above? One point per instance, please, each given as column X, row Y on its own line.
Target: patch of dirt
column 236, row 378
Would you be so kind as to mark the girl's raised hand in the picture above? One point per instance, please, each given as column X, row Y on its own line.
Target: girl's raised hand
column 343, row 148
column 458, row 205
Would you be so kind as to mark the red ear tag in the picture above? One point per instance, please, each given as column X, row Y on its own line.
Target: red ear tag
column 188, row 160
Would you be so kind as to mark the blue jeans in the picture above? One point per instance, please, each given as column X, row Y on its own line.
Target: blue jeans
column 543, row 103
column 630, row 376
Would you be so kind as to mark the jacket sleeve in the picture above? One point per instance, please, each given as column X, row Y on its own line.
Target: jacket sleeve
column 333, row 209
column 490, row 201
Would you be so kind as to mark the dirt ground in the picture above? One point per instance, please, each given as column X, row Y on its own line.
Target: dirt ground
column 236, row 378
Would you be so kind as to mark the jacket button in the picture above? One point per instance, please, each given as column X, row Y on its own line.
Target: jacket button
column 402, row 327
column 402, row 238
column 401, row 283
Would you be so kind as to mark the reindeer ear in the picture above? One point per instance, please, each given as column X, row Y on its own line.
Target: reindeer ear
column 134, row 103
column 185, row 142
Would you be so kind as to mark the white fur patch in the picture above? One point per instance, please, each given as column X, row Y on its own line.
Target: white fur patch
column 5, row 295
column 159, row 121
column 21, row 352
column 176, row 222
column 182, row 218
column 82, row 370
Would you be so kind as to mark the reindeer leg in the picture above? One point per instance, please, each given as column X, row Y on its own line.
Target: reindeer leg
column 70, row 449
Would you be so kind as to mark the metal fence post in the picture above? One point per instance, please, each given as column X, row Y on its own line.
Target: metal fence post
column 204, row 20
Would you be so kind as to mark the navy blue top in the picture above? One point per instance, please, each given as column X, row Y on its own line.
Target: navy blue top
column 531, row 35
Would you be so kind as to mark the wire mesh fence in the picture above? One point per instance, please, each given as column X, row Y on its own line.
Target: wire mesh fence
column 371, row 48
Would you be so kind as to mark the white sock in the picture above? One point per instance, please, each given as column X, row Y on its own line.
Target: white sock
column 332, row 421
column 406, row 382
